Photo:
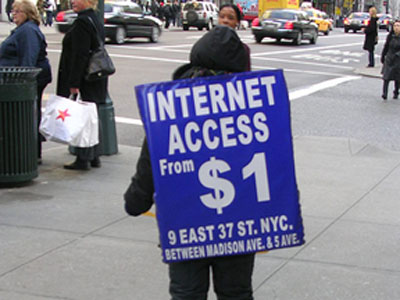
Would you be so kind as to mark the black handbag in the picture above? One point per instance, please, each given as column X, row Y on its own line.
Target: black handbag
column 100, row 64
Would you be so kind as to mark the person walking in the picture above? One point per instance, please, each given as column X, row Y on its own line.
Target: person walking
column 168, row 13
column 371, row 36
column 177, row 11
column 390, row 59
column 77, row 46
column 26, row 47
column 50, row 7
column 220, row 51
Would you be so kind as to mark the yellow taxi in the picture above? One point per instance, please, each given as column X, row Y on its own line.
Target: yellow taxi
column 317, row 16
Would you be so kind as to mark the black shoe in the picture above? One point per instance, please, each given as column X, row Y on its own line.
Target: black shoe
column 78, row 165
column 370, row 66
column 95, row 163
column 384, row 97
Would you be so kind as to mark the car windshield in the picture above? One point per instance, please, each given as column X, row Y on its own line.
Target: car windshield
column 193, row 6
column 279, row 14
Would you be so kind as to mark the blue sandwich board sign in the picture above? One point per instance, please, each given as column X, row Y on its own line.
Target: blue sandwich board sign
column 222, row 160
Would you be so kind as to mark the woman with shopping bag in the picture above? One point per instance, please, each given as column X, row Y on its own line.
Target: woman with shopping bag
column 78, row 44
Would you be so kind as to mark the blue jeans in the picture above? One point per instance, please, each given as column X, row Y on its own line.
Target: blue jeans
column 189, row 280
column 49, row 18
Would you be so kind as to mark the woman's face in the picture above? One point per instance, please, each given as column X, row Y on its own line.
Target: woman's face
column 79, row 5
column 396, row 28
column 227, row 17
column 19, row 17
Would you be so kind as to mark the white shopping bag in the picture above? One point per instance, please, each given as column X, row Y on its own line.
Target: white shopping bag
column 70, row 122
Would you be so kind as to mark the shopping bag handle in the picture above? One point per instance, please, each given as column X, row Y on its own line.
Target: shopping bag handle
column 76, row 97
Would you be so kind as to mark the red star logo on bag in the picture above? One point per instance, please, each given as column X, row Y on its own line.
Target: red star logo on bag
column 63, row 114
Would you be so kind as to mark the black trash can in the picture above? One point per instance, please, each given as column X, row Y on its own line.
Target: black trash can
column 18, row 124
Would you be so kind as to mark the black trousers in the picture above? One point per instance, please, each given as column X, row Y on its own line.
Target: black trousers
column 386, row 87
column 190, row 280
column 371, row 58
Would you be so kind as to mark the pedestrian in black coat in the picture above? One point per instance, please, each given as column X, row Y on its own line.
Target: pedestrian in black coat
column 371, row 37
column 220, row 50
column 77, row 45
column 390, row 59
column 168, row 13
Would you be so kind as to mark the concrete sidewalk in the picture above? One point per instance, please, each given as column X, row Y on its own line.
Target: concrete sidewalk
column 66, row 236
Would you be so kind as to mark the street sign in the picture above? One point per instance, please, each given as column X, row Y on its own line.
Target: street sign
column 222, row 160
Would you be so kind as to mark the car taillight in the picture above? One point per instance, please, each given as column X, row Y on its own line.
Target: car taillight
column 346, row 21
column 60, row 16
column 366, row 22
column 288, row 25
column 255, row 22
column 105, row 20
column 386, row 22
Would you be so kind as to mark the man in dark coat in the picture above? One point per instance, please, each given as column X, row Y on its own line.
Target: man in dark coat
column 168, row 13
column 77, row 45
column 220, row 50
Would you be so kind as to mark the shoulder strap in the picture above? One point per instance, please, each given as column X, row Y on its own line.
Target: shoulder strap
column 97, row 33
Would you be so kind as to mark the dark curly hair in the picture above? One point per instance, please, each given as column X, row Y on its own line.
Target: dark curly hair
column 234, row 7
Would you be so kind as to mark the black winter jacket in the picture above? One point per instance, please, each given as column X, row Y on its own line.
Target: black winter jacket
column 77, row 45
column 391, row 57
column 371, row 33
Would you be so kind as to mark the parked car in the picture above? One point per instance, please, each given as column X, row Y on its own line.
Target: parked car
column 200, row 15
column 285, row 24
column 385, row 21
column 121, row 20
column 316, row 16
column 356, row 21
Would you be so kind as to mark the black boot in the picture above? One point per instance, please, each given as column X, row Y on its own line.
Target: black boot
column 95, row 163
column 78, row 164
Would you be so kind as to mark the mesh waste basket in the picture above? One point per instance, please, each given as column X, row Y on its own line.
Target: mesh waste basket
column 18, row 124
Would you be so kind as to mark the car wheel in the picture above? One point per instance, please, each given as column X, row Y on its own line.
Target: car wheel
column 200, row 28
column 354, row 30
column 120, row 35
column 278, row 40
column 314, row 38
column 155, row 34
column 297, row 39
column 185, row 27
column 258, row 38
column 346, row 30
